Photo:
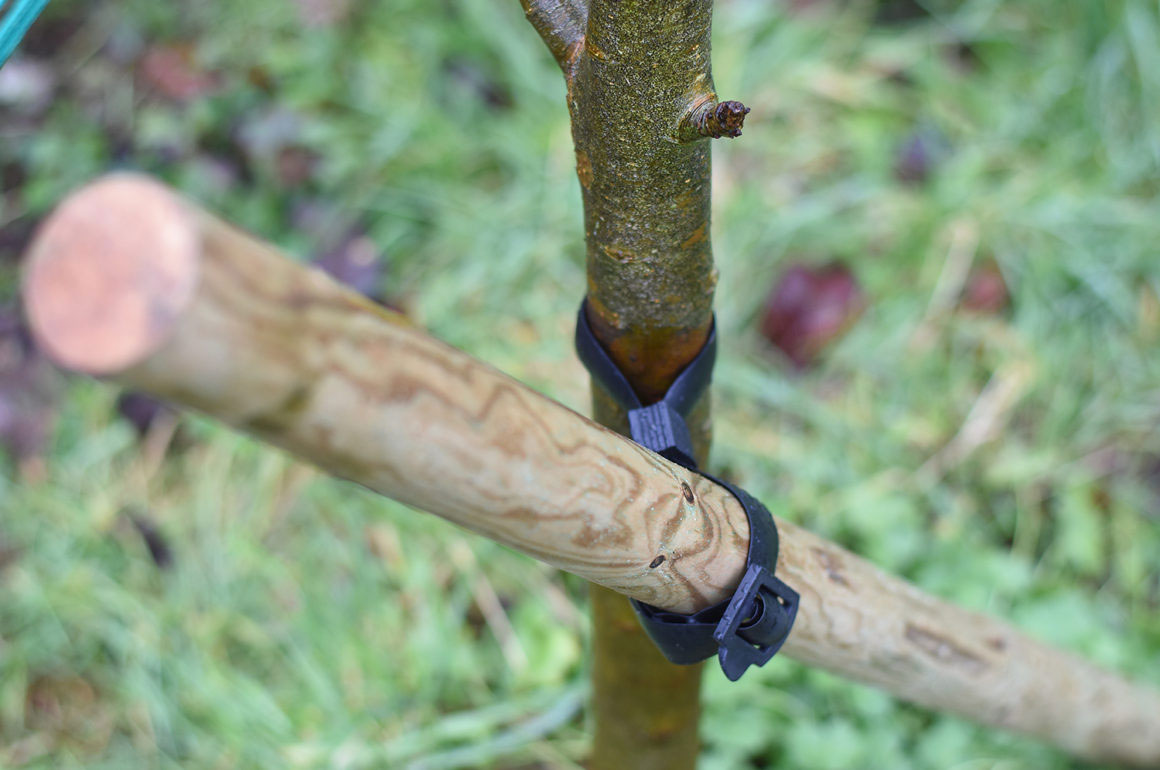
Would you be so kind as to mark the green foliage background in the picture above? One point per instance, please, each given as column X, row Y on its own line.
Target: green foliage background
column 307, row 624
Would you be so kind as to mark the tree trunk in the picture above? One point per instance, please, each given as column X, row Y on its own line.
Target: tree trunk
column 641, row 99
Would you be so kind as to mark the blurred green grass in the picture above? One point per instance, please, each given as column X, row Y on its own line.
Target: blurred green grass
column 1008, row 462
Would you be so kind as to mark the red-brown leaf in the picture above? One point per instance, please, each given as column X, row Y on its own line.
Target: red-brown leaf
column 986, row 291
column 356, row 261
column 173, row 72
column 809, row 308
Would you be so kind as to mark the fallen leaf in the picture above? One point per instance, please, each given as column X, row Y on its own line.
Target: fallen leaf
column 355, row 260
column 986, row 291
column 173, row 72
column 809, row 308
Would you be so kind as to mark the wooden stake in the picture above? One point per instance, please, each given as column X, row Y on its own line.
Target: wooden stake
column 128, row 281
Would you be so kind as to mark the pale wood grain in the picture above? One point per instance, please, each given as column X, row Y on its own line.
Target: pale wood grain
column 210, row 318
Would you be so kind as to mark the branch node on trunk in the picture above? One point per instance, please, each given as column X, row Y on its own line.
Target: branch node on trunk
column 561, row 25
column 712, row 119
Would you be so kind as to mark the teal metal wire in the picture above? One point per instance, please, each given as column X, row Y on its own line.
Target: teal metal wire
column 14, row 23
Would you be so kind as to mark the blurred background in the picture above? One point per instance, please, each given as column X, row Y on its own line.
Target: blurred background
column 940, row 313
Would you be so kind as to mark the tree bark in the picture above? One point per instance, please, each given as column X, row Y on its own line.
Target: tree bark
column 641, row 99
column 128, row 281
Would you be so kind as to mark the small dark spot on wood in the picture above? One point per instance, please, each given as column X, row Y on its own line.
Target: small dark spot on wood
column 687, row 492
column 997, row 643
column 658, row 561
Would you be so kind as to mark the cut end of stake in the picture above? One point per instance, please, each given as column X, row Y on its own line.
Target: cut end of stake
column 109, row 272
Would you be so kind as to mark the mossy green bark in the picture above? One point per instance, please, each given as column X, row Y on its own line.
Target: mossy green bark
column 640, row 94
column 643, row 69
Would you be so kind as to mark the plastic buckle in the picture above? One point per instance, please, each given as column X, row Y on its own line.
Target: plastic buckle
column 751, row 626
column 658, row 427
column 756, row 623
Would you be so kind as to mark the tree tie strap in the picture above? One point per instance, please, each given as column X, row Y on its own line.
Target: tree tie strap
column 750, row 627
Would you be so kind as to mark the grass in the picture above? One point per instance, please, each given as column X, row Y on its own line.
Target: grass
column 1004, row 461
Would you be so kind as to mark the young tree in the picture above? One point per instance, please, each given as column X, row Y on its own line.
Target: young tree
column 643, row 107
